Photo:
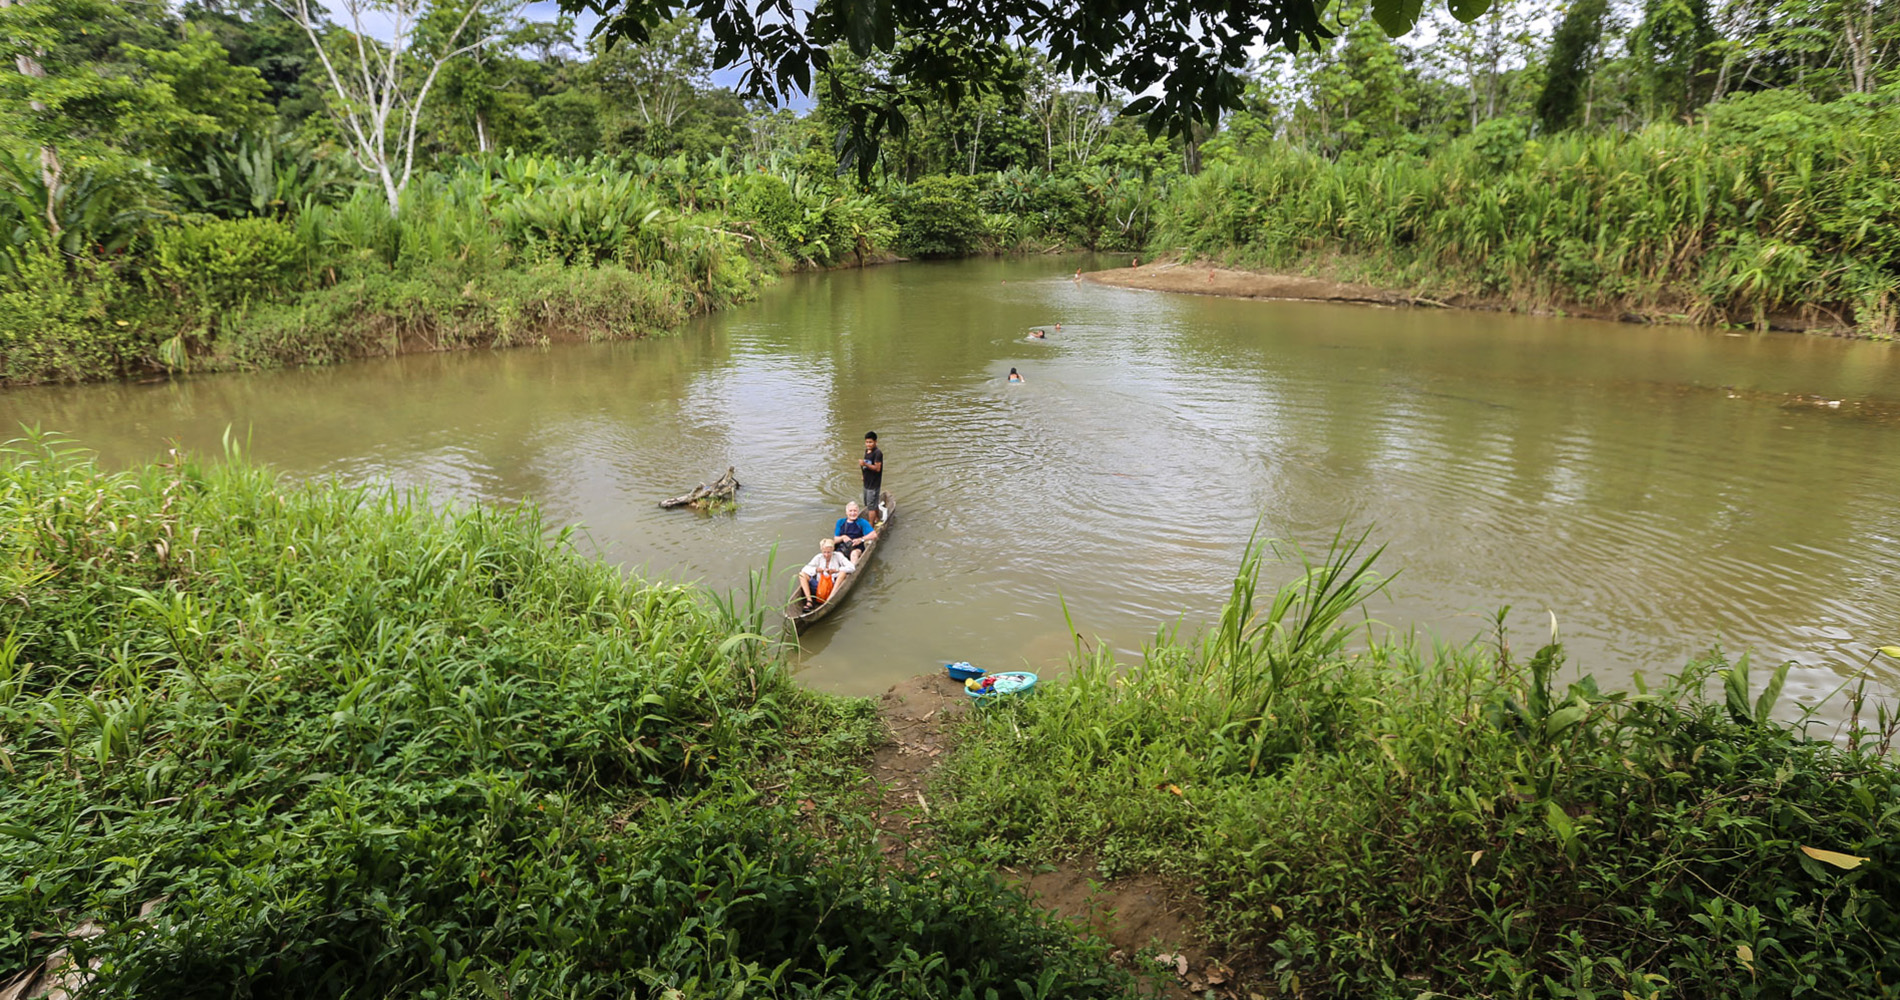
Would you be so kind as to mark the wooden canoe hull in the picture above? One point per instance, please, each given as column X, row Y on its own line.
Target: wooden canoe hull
column 802, row 619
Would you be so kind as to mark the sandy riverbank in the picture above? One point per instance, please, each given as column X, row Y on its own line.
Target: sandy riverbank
column 1208, row 279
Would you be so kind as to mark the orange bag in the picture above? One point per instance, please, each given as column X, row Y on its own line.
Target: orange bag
column 823, row 590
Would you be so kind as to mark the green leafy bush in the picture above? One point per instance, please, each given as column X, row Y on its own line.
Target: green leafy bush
column 1381, row 823
column 221, row 264
column 938, row 217
column 254, row 174
column 442, row 308
column 65, row 319
column 584, row 224
column 1772, row 205
column 315, row 741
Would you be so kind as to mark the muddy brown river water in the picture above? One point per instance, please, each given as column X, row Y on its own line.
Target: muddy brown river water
column 1660, row 490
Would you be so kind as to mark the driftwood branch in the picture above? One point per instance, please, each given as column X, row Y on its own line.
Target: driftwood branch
column 722, row 489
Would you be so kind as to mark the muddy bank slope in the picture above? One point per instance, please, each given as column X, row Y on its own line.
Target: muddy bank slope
column 1150, row 921
column 1208, row 279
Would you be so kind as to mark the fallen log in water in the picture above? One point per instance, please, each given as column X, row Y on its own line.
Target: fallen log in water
column 721, row 490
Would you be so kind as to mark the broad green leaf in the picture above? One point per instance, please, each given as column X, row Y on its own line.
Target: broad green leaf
column 1563, row 719
column 1397, row 16
column 1559, row 822
column 486, row 983
column 1846, row 862
column 1468, row 10
column 1765, row 705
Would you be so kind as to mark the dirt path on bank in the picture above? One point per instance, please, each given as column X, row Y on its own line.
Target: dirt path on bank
column 1145, row 918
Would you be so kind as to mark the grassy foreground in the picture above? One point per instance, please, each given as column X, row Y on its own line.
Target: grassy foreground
column 1406, row 822
column 259, row 739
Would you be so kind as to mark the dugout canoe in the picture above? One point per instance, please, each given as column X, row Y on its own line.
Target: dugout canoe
column 803, row 619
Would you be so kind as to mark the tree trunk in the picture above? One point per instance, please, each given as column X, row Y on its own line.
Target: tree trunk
column 50, row 169
column 722, row 488
column 1858, row 33
column 975, row 143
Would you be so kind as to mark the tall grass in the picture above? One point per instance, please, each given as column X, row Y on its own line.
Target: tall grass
column 1771, row 206
column 1400, row 819
column 315, row 741
column 490, row 250
column 500, row 251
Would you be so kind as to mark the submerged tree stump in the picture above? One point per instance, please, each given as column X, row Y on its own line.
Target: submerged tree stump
column 721, row 491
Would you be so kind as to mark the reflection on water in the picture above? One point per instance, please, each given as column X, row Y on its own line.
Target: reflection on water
column 1660, row 490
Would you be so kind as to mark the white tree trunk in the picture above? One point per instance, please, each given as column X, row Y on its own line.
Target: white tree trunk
column 976, row 140
column 373, row 94
column 50, row 169
column 1857, row 31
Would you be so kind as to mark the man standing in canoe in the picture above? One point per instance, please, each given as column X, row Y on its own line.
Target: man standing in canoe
column 872, row 465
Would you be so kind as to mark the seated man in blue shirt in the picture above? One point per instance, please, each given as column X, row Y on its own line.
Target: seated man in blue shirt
column 852, row 531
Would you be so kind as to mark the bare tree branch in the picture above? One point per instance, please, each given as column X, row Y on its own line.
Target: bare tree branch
column 381, row 92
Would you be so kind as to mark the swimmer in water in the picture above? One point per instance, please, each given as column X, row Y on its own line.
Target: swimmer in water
column 1058, row 327
column 1037, row 335
column 1013, row 377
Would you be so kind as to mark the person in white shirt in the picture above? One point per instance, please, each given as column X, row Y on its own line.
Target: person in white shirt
column 828, row 563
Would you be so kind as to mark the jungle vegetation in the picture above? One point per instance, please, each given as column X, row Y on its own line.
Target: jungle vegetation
column 302, row 739
column 306, row 740
column 1371, row 814
column 1708, row 163
column 245, row 183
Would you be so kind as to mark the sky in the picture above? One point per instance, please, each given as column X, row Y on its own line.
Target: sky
column 584, row 23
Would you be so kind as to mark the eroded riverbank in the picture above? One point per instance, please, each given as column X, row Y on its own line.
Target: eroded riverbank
column 1206, row 278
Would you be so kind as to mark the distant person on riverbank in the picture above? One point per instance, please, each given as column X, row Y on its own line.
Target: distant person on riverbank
column 820, row 576
column 1013, row 376
column 852, row 532
column 872, row 465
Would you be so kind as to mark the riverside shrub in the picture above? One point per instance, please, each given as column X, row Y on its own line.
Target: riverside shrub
column 939, row 217
column 66, row 319
column 1454, row 820
column 448, row 270
column 221, row 264
column 1773, row 204
column 442, row 308
column 317, row 741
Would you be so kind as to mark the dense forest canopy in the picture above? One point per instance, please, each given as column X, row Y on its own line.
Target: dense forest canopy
column 118, row 82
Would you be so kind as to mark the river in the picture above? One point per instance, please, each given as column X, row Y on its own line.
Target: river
column 1659, row 490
